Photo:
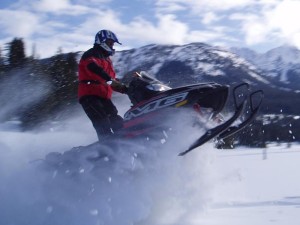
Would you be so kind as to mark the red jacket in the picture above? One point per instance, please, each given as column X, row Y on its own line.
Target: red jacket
column 94, row 70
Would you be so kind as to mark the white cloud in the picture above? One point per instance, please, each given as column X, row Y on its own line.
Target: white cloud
column 57, row 7
column 285, row 17
column 211, row 36
column 139, row 31
column 18, row 23
column 257, row 22
column 72, row 24
column 168, row 30
column 51, row 5
column 252, row 26
column 89, row 2
column 216, row 5
column 209, row 18
column 203, row 5
column 101, row 19
column 42, row 25
column 296, row 40
column 169, row 7
column 278, row 23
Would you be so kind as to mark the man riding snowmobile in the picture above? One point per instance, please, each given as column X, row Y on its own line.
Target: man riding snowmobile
column 151, row 116
column 97, row 80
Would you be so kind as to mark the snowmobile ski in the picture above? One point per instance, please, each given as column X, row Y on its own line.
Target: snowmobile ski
column 254, row 109
column 224, row 130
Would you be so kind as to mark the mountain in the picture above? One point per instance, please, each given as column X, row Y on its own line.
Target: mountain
column 198, row 62
column 281, row 65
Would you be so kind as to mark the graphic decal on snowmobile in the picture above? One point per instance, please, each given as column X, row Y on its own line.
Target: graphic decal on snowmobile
column 154, row 105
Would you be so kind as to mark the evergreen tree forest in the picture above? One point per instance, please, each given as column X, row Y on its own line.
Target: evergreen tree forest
column 36, row 90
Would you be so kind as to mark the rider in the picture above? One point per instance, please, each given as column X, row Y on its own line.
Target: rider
column 97, row 80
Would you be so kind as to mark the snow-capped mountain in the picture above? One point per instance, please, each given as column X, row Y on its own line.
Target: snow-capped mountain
column 196, row 62
column 282, row 64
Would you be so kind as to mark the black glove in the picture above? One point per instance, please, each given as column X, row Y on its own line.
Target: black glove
column 118, row 86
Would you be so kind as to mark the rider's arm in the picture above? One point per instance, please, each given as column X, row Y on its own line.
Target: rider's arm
column 98, row 70
column 116, row 85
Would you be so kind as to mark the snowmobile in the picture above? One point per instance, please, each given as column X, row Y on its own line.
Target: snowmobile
column 153, row 102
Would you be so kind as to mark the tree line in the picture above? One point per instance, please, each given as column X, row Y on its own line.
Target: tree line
column 53, row 79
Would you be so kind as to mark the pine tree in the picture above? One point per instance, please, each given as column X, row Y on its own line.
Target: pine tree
column 1, row 60
column 16, row 54
column 61, row 71
column 2, row 65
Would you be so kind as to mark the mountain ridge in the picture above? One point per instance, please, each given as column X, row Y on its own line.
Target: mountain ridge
column 178, row 65
column 282, row 64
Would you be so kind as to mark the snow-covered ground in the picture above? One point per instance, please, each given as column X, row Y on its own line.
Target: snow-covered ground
column 205, row 187
column 255, row 186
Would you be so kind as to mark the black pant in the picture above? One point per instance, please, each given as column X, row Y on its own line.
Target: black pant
column 103, row 114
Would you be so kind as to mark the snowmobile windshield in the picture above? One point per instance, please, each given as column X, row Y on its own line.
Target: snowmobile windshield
column 143, row 87
column 154, row 84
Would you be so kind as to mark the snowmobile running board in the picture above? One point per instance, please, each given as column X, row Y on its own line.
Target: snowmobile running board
column 224, row 130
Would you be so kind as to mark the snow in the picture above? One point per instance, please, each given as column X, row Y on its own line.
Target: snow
column 207, row 186
column 280, row 59
column 210, row 69
column 257, row 187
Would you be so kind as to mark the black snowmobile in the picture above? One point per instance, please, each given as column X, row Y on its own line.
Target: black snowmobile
column 153, row 103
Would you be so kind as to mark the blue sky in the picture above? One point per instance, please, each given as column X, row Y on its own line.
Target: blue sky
column 72, row 24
